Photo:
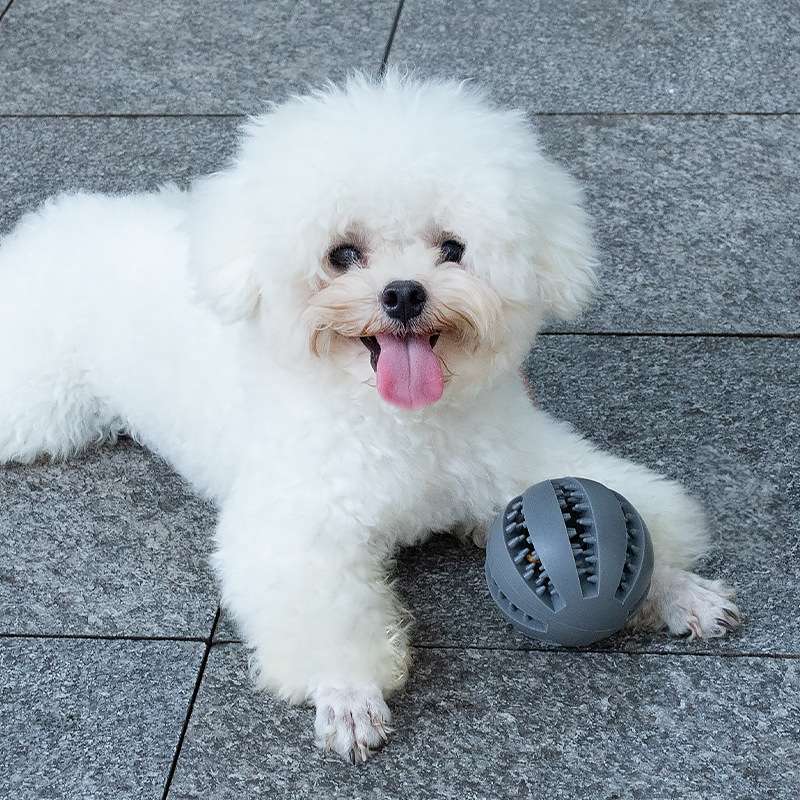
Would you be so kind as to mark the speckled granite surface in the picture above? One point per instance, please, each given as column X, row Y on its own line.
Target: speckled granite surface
column 89, row 719
column 105, row 154
column 704, row 247
column 111, row 543
column 106, row 599
column 581, row 55
column 694, row 219
column 476, row 724
column 172, row 56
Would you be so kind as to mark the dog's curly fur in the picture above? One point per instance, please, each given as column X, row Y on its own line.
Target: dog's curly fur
column 213, row 327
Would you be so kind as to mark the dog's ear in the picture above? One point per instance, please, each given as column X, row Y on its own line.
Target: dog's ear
column 565, row 260
column 222, row 246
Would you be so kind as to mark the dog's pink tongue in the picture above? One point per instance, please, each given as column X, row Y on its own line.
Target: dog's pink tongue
column 409, row 373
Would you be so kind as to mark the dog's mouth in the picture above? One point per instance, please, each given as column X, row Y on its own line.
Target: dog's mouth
column 409, row 373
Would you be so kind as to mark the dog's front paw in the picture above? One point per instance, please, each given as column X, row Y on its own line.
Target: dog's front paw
column 351, row 722
column 701, row 608
column 686, row 604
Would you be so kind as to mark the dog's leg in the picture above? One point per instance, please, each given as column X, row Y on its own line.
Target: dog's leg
column 310, row 595
column 47, row 402
column 686, row 604
column 679, row 600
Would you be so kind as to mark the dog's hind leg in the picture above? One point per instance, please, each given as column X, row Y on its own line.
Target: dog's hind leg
column 47, row 406
column 47, row 402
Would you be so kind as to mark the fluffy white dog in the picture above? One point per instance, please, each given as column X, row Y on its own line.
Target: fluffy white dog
column 325, row 339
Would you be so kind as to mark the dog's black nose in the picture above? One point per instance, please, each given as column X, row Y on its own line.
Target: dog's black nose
column 403, row 300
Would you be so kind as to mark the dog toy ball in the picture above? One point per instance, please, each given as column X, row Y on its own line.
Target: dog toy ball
column 569, row 561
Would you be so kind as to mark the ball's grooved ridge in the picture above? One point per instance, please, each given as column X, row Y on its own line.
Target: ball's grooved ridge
column 568, row 561
column 523, row 553
column 514, row 614
column 634, row 551
column 579, row 523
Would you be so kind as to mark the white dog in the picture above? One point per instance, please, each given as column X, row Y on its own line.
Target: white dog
column 325, row 338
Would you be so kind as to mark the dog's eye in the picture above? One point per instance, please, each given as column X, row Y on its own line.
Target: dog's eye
column 452, row 251
column 344, row 256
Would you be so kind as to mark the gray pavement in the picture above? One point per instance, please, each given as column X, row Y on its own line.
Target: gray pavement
column 118, row 676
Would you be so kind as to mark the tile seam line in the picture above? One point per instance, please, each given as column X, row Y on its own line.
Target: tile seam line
column 102, row 637
column 5, row 10
column 568, row 651
column 785, row 335
column 665, row 113
column 209, row 640
column 390, row 41
column 125, row 115
column 245, row 115
column 732, row 654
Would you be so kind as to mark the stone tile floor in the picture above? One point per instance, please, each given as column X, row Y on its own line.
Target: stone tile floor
column 118, row 677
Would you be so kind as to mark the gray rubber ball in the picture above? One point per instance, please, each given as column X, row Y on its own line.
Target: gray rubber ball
column 569, row 561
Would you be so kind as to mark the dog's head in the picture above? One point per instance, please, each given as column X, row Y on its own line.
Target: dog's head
column 398, row 234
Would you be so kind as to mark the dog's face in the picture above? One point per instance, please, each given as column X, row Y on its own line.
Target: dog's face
column 401, row 236
column 407, row 309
